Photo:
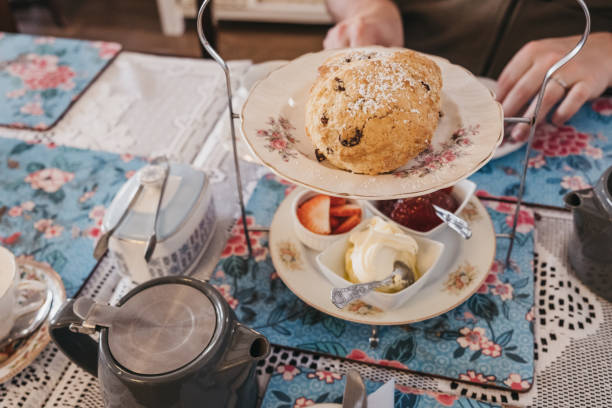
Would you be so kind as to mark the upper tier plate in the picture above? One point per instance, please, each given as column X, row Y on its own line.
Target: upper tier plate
column 468, row 133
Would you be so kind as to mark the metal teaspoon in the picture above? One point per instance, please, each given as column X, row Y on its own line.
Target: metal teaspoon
column 102, row 244
column 152, row 241
column 341, row 297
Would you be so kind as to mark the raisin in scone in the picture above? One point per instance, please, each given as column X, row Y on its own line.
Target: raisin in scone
column 371, row 112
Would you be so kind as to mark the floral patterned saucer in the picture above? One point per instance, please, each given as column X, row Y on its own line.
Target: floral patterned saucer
column 17, row 356
column 461, row 270
column 470, row 129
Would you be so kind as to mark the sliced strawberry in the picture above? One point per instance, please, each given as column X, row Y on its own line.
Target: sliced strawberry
column 336, row 201
column 345, row 210
column 335, row 222
column 350, row 223
column 314, row 214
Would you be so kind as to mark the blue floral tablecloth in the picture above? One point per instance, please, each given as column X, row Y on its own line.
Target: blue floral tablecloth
column 40, row 77
column 52, row 200
column 487, row 340
column 563, row 159
column 297, row 387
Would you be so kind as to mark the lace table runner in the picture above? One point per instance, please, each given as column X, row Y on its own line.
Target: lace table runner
column 145, row 105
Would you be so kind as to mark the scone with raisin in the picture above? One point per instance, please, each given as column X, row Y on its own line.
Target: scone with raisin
column 370, row 112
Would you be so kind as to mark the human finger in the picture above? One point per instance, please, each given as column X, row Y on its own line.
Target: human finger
column 520, row 63
column 553, row 94
column 576, row 97
column 336, row 37
column 526, row 87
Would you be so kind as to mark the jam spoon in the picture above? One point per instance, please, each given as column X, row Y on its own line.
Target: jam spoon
column 457, row 224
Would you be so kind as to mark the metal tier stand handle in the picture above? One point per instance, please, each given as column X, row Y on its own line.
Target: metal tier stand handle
column 532, row 124
column 232, row 115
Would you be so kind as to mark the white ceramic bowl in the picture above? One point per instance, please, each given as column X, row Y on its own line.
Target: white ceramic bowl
column 331, row 264
column 318, row 242
column 462, row 191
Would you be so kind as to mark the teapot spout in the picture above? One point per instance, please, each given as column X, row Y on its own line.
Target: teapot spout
column 581, row 200
column 247, row 346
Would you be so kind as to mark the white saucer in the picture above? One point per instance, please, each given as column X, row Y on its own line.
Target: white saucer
column 461, row 270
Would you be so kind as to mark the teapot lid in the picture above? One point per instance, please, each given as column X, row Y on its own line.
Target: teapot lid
column 158, row 329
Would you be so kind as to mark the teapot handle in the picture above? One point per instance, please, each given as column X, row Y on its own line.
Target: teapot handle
column 67, row 331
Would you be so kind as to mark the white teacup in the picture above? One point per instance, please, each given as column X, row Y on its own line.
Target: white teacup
column 10, row 287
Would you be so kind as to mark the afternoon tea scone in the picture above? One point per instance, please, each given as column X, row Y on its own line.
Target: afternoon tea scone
column 372, row 112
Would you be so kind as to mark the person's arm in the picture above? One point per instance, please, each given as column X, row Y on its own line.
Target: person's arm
column 364, row 22
column 585, row 77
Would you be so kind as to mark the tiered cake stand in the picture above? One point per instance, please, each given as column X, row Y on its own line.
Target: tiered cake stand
column 531, row 121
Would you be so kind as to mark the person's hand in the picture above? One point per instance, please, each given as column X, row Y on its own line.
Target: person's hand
column 366, row 22
column 585, row 77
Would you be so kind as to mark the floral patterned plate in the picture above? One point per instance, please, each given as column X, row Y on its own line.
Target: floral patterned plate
column 17, row 356
column 468, row 133
column 460, row 271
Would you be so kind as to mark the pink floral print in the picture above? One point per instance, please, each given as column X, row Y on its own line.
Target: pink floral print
column 360, row 355
column 491, row 349
column 303, row 402
column 327, row 376
column 279, row 137
column 474, row 377
column 15, row 211
column 573, row 183
column 555, row 141
column 236, row 244
column 225, row 291
column 288, row 371
column 472, row 338
column 49, row 228
column 503, row 290
column 49, row 180
column 433, row 159
column 603, row 106
column 40, row 72
column 515, row 382
column 107, row 49
column 32, row 108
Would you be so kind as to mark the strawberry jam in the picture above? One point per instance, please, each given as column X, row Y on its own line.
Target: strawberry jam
column 417, row 213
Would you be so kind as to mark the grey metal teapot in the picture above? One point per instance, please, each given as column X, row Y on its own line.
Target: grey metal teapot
column 171, row 342
column 590, row 248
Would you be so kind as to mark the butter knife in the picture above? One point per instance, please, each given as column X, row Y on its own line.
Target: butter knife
column 355, row 395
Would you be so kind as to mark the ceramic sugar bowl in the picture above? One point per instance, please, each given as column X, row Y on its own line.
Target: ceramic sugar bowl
column 171, row 202
column 170, row 342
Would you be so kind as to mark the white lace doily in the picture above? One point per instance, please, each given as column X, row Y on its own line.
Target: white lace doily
column 145, row 105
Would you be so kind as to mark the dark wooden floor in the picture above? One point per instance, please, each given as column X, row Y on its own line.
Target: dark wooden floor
column 135, row 24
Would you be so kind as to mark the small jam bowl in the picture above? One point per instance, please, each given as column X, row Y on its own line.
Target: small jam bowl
column 462, row 192
column 331, row 264
column 318, row 242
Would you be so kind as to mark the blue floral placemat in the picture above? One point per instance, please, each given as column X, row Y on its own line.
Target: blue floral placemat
column 40, row 77
column 297, row 387
column 52, row 200
column 563, row 159
column 488, row 339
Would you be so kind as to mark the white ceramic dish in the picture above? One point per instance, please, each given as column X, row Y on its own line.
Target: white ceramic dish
column 460, row 271
column 462, row 192
column 186, row 224
column 312, row 240
column 468, row 133
column 331, row 264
